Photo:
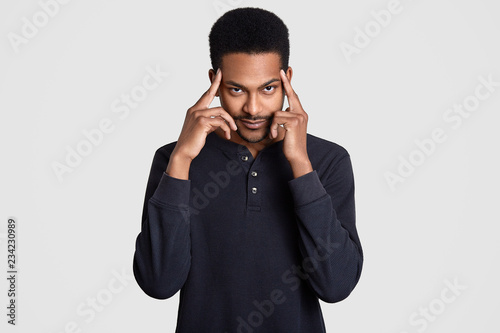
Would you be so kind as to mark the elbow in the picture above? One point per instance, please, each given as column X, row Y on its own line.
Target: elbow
column 336, row 292
column 158, row 286
column 156, row 291
column 334, row 295
column 340, row 287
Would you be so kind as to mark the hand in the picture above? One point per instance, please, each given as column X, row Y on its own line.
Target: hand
column 294, row 122
column 200, row 121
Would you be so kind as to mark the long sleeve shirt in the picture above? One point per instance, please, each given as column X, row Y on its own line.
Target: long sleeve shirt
column 250, row 248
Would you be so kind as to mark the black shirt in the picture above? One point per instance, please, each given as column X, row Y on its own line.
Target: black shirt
column 251, row 248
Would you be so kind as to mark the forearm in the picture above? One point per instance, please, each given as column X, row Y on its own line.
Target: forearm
column 301, row 167
column 162, row 256
column 332, row 259
column 334, row 256
column 178, row 166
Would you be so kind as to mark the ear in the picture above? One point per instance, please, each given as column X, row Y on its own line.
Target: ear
column 211, row 76
column 289, row 73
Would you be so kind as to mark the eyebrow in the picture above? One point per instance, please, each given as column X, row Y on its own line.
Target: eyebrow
column 232, row 83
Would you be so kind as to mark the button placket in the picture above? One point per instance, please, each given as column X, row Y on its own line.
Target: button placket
column 254, row 188
column 245, row 157
column 254, row 175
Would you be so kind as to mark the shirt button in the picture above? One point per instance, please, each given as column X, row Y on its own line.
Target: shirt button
column 254, row 173
column 254, row 190
column 244, row 158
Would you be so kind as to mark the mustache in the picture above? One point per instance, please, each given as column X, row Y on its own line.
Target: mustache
column 254, row 118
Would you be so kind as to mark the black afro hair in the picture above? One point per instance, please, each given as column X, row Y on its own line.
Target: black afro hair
column 248, row 30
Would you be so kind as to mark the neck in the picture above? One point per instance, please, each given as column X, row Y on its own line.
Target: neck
column 255, row 147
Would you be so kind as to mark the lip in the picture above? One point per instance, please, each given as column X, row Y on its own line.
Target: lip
column 254, row 124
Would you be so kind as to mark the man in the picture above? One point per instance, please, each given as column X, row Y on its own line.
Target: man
column 247, row 214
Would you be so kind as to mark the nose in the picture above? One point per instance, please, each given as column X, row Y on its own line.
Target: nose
column 252, row 105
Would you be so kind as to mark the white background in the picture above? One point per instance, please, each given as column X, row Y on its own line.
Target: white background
column 77, row 234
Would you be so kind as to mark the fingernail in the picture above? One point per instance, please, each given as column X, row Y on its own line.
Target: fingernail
column 218, row 70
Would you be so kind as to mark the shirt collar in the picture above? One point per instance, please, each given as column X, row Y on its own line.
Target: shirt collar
column 232, row 147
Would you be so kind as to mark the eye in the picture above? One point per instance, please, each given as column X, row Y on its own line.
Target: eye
column 269, row 88
column 235, row 90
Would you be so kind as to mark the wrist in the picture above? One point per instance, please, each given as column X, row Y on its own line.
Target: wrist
column 301, row 167
column 178, row 166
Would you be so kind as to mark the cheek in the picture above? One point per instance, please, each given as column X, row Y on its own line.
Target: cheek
column 274, row 102
column 231, row 104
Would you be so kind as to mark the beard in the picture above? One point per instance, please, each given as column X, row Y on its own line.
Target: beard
column 257, row 139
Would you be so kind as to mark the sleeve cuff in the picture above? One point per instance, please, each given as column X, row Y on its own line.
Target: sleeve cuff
column 172, row 191
column 306, row 189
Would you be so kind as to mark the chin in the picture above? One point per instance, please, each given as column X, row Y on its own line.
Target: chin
column 254, row 137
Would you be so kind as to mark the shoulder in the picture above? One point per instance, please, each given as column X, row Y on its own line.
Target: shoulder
column 327, row 157
column 319, row 148
column 164, row 151
column 161, row 157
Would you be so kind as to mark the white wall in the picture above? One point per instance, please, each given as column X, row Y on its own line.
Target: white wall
column 433, row 226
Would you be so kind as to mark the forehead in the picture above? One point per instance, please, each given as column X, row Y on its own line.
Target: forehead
column 248, row 68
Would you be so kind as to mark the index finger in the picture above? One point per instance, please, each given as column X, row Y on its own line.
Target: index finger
column 293, row 99
column 207, row 98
